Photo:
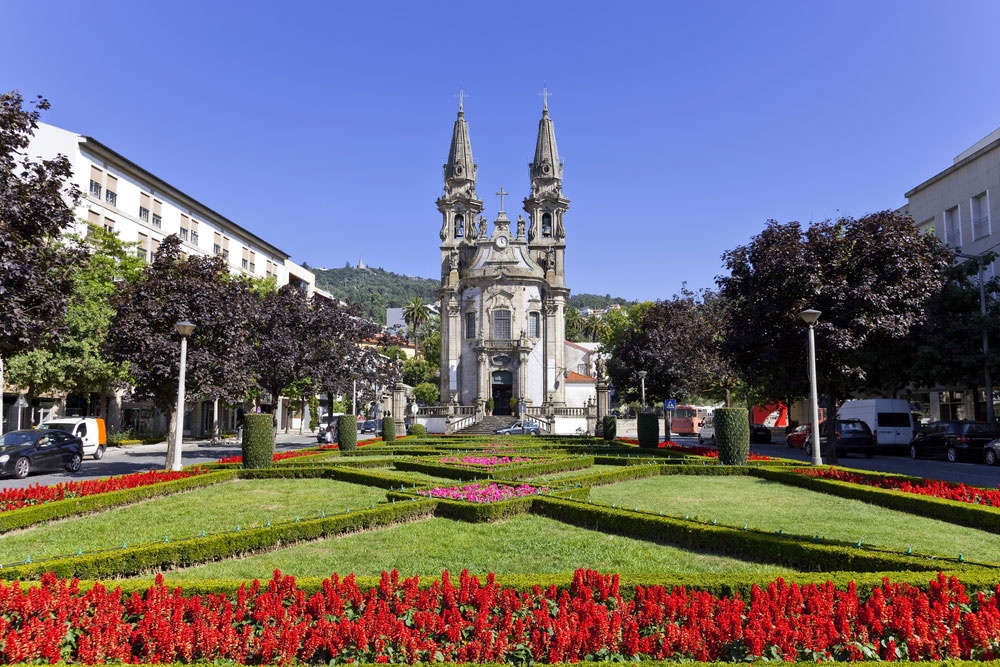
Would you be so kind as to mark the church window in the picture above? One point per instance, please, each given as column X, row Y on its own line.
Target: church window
column 459, row 226
column 534, row 325
column 501, row 324
column 546, row 224
column 470, row 325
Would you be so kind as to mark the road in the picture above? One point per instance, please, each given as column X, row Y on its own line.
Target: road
column 125, row 460
column 141, row 458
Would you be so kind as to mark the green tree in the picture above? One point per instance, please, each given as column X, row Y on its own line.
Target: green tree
column 76, row 362
column 416, row 371
column 36, row 265
column 426, row 393
column 574, row 324
column 415, row 314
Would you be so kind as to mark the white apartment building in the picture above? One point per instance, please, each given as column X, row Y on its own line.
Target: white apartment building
column 960, row 205
column 140, row 207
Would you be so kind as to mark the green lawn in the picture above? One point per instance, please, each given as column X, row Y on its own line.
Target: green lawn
column 216, row 508
column 523, row 545
column 767, row 505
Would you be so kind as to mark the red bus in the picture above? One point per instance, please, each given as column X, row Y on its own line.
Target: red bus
column 687, row 419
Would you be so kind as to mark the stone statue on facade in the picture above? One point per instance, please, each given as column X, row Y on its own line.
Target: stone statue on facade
column 482, row 227
column 453, row 259
column 520, row 227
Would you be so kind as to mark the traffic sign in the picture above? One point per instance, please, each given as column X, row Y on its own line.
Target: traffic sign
column 670, row 404
column 21, row 403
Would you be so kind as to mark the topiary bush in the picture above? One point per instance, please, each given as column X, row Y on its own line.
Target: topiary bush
column 388, row 429
column 610, row 425
column 648, row 428
column 347, row 433
column 418, row 429
column 258, row 440
column 732, row 435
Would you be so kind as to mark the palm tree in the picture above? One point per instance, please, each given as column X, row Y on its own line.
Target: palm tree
column 416, row 314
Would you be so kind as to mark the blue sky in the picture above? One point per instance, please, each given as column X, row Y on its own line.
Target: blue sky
column 684, row 126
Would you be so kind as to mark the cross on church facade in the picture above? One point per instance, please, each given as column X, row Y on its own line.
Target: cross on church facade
column 461, row 98
column 545, row 98
column 502, row 194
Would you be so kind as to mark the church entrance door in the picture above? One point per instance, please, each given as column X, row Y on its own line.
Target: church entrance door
column 503, row 391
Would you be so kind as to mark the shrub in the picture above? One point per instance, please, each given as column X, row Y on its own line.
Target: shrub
column 258, row 440
column 313, row 412
column 489, row 404
column 417, row 429
column 648, row 428
column 388, row 429
column 610, row 425
column 732, row 436
column 347, row 433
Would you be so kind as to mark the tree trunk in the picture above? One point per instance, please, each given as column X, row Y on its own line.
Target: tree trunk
column 831, row 427
column 3, row 415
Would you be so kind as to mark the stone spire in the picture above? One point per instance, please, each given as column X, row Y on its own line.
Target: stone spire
column 546, row 164
column 460, row 166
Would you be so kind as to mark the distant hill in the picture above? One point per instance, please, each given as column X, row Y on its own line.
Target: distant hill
column 377, row 289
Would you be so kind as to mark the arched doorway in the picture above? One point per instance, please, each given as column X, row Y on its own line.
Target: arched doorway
column 502, row 391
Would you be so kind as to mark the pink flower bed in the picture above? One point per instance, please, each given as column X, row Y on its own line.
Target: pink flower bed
column 488, row 461
column 476, row 493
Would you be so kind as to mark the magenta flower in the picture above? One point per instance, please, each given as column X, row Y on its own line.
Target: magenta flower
column 475, row 493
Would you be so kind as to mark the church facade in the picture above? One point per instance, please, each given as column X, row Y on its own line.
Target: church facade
column 503, row 292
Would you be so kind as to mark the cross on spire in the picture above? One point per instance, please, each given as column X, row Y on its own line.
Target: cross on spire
column 545, row 97
column 461, row 98
column 502, row 195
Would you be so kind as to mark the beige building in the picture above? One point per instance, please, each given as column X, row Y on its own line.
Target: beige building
column 141, row 208
column 959, row 205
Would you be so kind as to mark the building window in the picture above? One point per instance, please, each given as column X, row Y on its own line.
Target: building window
column 534, row 325
column 111, row 197
column 157, row 221
column 246, row 264
column 501, row 324
column 194, row 237
column 216, row 249
column 980, row 216
column 95, row 188
column 109, row 225
column 183, row 233
column 470, row 325
column 953, row 227
column 144, row 214
column 142, row 247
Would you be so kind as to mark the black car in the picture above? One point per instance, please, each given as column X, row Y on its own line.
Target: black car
column 368, row 426
column 952, row 439
column 39, row 449
column 760, row 434
column 853, row 435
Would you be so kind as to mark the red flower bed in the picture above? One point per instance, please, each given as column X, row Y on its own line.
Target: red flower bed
column 481, row 622
column 12, row 499
column 278, row 456
column 925, row 487
column 697, row 450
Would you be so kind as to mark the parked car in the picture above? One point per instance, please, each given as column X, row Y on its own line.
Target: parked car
column 368, row 426
column 991, row 452
column 520, row 428
column 39, row 449
column 953, row 439
column 852, row 435
column 798, row 437
column 90, row 430
column 760, row 434
column 707, row 431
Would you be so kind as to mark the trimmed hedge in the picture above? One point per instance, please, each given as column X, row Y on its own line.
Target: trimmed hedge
column 258, row 440
column 609, row 424
column 648, row 430
column 347, row 433
column 61, row 509
column 418, row 430
column 751, row 545
column 146, row 558
column 732, row 436
column 388, row 429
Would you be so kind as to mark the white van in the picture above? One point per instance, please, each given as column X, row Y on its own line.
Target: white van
column 890, row 420
column 89, row 429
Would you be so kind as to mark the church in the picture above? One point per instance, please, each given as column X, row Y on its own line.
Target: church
column 503, row 292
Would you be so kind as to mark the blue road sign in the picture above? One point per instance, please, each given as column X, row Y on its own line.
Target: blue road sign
column 670, row 404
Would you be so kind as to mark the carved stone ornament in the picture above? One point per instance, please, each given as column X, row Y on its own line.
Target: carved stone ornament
column 501, row 360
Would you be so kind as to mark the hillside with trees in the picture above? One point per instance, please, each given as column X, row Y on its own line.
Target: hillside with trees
column 377, row 289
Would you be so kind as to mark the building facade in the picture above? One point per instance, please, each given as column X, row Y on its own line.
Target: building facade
column 959, row 205
column 139, row 207
column 503, row 292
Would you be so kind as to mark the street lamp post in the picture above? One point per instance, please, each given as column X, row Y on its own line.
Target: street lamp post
column 809, row 317
column 184, row 328
column 642, row 383
column 987, row 377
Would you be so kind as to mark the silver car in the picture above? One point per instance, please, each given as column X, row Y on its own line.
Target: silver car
column 520, row 428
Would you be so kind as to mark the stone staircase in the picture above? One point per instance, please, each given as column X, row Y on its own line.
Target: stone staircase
column 488, row 424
